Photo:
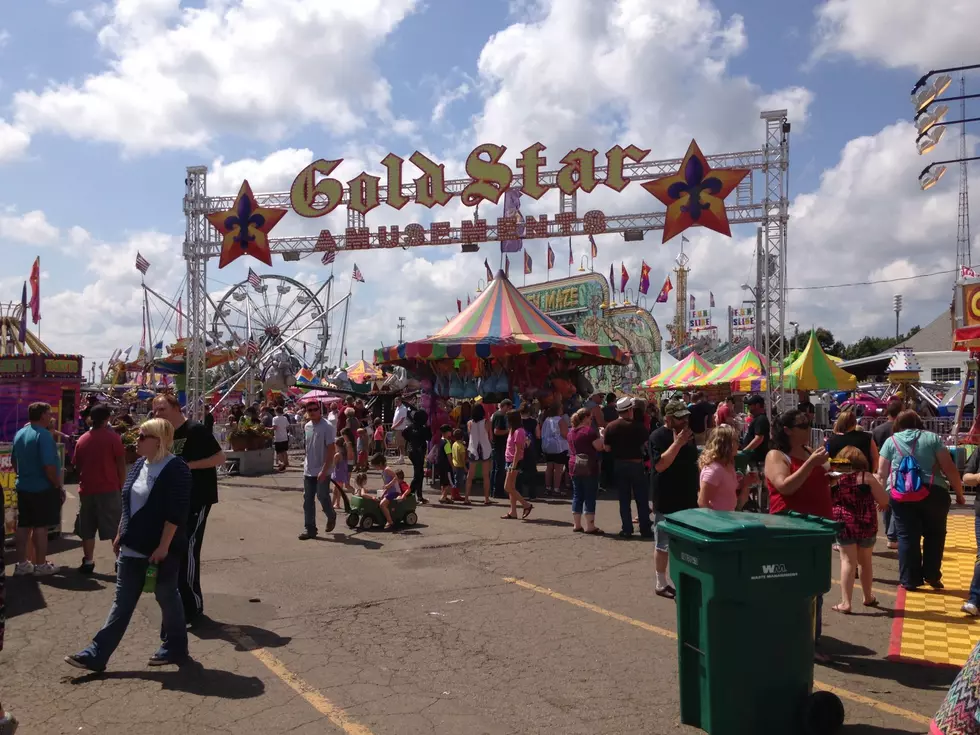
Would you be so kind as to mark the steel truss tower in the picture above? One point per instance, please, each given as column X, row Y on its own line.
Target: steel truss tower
column 963, row 214
column 202, row 242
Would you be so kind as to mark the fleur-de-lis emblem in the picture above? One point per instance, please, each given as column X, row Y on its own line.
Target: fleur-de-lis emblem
column 245, row 217
column 706, row 189
column 693, row 184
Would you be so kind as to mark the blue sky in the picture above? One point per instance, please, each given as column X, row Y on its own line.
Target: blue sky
column 124, row 188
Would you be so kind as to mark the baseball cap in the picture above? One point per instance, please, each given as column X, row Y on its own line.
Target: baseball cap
column 755, row 400
column 624, row 404
column 677, row 409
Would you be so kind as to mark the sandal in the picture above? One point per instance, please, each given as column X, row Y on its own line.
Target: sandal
column 873, row 602
column 841, row 609
column 488, row 502
column 669, row 592
column 578, row 530
column 527, row 511
column 508, row 517
column 595, row 532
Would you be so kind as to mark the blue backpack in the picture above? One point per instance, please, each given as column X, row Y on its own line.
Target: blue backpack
column 907, row 485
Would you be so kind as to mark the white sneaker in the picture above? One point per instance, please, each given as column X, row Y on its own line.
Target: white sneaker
column 45, row 570
column 23, row 569
column 970, row 609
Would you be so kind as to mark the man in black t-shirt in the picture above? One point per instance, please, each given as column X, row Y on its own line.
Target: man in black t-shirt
column 196, row 445
column 624, row 440
column 674, row 480
column 756, row 440
column 701, row 418
column 498, row 437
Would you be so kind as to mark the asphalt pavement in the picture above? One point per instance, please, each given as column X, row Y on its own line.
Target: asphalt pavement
column 466, row 623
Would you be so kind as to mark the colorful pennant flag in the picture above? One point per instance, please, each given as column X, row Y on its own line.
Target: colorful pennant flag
column 612, row 281
column 512, row 211
column 356, row 275
column 22, row 333
column 467, row 299
column 551, row 257
column 142, row 264
column 251, row 347
column 595, row 248
column 967, row 272
column 571, row 258
column 527, row 263
column 459, row 306
column 644, row 278
column 693, row 307
column 489, row 272
column 506, row 266
column 254, row 281
column 35, row 280
column 624, row 277
column 329, row 257
column 665, row 291
column 711, row 299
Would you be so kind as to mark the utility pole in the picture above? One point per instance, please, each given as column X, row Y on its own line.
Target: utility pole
column 898, row 310
column 401, row 330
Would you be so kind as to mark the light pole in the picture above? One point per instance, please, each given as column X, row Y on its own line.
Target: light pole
column 898, row 310
column 796, row 335
column 929, row 178
column 926, row 92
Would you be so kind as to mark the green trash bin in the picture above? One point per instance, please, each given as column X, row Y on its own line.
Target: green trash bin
column 746, row 586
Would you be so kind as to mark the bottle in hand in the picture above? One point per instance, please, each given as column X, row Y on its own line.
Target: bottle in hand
column 150, row 580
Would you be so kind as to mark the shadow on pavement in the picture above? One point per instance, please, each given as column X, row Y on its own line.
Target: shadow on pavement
column 23, row 595
column 192, row 678
column 244, row 637
column 862, row 661
column 340, row 538
column 548, row 522
column 63, row 543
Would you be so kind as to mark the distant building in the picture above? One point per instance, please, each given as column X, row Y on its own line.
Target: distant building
column 931, row 344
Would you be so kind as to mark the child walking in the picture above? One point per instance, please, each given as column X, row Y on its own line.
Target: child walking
column 516, row 444
column 340, row 475
column 459, row 467
column 362, row 449
column 442, row 466
column 379, row 437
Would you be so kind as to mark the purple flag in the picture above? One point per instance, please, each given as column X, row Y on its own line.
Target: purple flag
column 22, row 333
column 512, row 210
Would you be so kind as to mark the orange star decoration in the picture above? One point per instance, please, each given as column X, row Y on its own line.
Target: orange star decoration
column 245, row 228
column 695, row 195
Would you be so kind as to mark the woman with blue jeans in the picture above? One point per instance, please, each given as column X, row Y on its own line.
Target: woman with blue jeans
column 971, row 478
column 584, row 444
column 921, row 523
column 155, row 504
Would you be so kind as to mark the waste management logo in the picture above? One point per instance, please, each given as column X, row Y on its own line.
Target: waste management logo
column 774, row 571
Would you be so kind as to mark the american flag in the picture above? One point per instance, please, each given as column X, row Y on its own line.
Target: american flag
column 251, row 347
column 329, row 257
column 356, row 275
column 253, row 280
column 142, row 264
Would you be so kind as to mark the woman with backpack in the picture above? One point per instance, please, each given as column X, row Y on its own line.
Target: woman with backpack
column 918, row 472
column 554, row 445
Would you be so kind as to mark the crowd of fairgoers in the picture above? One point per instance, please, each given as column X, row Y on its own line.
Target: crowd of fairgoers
column 656, row 458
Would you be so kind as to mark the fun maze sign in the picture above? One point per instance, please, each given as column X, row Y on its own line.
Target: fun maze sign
column 694, row 196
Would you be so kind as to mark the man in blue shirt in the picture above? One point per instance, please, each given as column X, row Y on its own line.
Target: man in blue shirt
column 39, row 489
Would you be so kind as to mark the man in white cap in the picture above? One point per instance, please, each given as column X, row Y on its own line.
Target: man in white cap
column 624, row 440
column 674, row 480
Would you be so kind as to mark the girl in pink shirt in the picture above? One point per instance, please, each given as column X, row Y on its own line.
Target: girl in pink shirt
column 514, row 453
column 721, row 488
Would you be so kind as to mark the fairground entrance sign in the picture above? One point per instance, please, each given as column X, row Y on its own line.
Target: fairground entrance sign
column 694, row 196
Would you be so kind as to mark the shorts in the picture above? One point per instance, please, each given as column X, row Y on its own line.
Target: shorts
column 443, row 474
column 478, row 457
column 281, row 447
column 100, row 514
column 863, row 543
column 391, row 495
column 660, row 538
column 460, row 473
column 399, row 441
column 560, row 458
column 512, row 467
column 39, row 510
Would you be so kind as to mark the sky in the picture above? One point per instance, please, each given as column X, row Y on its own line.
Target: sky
column 103, row 106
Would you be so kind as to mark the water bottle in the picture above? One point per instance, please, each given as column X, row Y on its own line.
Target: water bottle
column 150, row 580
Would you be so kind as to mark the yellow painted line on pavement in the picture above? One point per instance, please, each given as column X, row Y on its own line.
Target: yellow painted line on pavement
column 842, row 693
column 320, row 703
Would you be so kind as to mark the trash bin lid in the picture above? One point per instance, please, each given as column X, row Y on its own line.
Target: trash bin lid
column 703, row 524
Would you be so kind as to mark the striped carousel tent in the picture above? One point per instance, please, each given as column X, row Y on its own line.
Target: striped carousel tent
column 691, row 367
column 812, row 370
column 500, row 323
column 746, row 366
column 363, row 372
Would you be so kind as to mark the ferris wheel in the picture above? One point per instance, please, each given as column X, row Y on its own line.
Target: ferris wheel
column 281, row 315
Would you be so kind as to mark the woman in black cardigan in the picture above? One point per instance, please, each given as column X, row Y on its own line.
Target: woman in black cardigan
column 155, row 503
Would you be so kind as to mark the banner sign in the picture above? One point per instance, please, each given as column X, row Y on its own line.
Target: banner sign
column 743, row 318
column 700, row 319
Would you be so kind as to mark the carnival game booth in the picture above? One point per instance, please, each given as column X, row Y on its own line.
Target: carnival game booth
column 500, row 346
column 30, row 372
column 690, row 368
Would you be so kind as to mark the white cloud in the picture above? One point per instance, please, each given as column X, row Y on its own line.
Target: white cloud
column 899, row 33
column 4, row 37
column 179, row 76
column 88, row 20
column 30, row 228
column 14, row 141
